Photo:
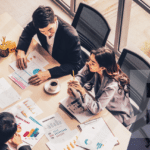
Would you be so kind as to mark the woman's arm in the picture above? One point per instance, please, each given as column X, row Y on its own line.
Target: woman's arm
column 102, row 101
column 95, row 105
column 82, row 75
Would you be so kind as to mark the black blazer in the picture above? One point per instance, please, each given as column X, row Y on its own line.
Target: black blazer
column 66, row 48
column 5, row 147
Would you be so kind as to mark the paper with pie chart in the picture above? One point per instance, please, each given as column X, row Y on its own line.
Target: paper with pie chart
column 33, row 56
column 20, row 77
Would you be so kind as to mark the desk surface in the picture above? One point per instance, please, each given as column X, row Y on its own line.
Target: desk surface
column 49, row 103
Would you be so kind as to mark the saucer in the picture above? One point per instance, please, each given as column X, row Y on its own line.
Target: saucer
column 46, row 88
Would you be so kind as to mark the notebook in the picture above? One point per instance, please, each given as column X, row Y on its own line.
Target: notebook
column 73, row 108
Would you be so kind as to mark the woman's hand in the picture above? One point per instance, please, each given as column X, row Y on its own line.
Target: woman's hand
column 76, row 85
column 16, row 140
column 70, row 92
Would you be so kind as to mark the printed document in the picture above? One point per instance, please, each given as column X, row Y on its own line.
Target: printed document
column 7, row 94
column 33, row 56
column 55, row 128
column 96, row 135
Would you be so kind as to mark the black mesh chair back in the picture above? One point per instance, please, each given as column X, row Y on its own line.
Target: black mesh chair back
column 91, row 26
column 138, row 70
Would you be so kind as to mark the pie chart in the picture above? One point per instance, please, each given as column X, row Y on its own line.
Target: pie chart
column 35, row 71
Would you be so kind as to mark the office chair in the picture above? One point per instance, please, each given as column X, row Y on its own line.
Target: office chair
column 92, row 28
column 138, row 70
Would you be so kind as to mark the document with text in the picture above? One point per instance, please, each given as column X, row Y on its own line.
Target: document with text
column 8, row 94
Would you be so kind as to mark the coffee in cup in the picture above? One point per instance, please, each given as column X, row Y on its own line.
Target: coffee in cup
column 53, row 84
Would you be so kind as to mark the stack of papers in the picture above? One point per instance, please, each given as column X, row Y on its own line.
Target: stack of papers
column 96, row 135
column 7, row 94
column 58, row 133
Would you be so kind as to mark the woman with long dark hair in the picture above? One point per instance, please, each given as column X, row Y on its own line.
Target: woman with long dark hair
column 109, row 84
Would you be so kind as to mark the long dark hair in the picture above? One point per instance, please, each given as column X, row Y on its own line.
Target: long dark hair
column 106, row 59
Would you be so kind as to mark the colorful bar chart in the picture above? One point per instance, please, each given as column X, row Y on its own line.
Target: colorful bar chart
column 31, row 133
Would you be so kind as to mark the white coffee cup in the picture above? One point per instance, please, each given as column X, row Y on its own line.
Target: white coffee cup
column 53, row 85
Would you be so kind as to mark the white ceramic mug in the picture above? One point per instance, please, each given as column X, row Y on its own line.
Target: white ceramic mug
column 53, row 84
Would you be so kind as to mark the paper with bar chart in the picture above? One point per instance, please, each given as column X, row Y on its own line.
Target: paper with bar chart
column 26, row 107
column 55, row 128
column 68, row 144
column 30, row 131
column 27, row 126
column 31, row 107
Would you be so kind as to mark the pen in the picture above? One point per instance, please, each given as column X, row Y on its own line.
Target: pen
column 91, row 121
column 48, row 119
column 73, row 74
column 75, row 101
column 72, row 94
column 88, row 122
